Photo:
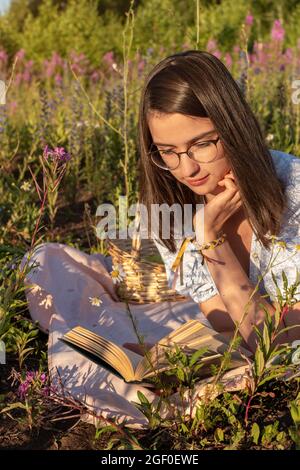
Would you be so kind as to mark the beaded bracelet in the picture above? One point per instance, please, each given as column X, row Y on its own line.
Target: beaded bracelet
column 179, row 258
column 211, row 245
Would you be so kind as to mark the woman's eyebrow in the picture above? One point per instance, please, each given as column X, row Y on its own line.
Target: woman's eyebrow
column 194, row 139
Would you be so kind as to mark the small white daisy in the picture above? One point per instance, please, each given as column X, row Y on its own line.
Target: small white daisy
column 95, row 301
column 26, row 186
column 47, row 301
column 117, row 274
column 36, row 289
column 270, row 137
column 296, row 356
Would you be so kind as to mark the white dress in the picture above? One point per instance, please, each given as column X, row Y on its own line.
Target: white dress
column 64, row 279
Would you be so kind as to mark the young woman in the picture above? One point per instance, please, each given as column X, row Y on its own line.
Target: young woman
column 194, row 124
column 200, row 142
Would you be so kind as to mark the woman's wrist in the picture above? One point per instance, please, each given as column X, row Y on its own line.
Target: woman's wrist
column 208, row 236
column 212, row 239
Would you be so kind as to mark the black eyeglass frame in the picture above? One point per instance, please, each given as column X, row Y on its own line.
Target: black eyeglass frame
column 214, row 141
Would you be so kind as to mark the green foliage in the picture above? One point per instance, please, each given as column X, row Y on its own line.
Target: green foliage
column 294, row 431
column 55, row 30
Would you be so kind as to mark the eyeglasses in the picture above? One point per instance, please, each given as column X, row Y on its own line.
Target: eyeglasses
column 202, row 152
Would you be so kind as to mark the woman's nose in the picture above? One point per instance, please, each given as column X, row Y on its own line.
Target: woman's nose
column 188, row 167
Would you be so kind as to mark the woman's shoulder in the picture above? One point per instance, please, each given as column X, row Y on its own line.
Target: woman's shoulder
column 287, row 166
column 288, row 169
column 284, row 254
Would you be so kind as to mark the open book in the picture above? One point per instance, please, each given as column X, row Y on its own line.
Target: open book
column 190, row 337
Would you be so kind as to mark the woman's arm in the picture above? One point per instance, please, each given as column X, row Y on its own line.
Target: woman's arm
column 235, row 290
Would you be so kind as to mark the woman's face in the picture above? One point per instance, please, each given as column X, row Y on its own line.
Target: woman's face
column 176, row 130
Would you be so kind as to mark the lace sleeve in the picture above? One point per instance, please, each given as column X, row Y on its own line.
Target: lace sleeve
column 197, row 281
column 286, row 249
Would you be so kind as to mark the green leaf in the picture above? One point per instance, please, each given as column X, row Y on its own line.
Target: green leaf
column 285, row 281
column 266, row 337
column 295, row 412
column 219, row 435
column 278, row 291
column 259, row 361
column 196, row 356
column 184, row 428
column 142, row 398
column 255, row 432
column 13, row 406
column 101, row 431
column 180, row 374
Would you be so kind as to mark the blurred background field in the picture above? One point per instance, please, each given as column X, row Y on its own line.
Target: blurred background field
column 75, row 70
column 79, row 66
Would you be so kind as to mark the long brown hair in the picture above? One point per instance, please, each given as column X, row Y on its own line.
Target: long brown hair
column 196, row 83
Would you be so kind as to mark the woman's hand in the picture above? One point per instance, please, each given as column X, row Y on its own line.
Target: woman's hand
column 138, row 348
column 222, row 206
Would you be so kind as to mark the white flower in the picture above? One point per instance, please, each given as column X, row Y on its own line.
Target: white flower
column 36, row 289
column 295, row 343
column 26, row 186
column 95, row 301
column 47, row 301
column 117, row 274
column 296, row 356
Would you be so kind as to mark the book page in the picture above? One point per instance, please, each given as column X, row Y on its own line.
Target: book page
column 123, row 360
column 190, row 337
column 102, row 348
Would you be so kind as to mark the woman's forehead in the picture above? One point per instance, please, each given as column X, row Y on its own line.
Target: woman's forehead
column 177, row 129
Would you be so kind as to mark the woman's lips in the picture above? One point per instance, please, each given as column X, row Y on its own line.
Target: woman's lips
column 198, row 182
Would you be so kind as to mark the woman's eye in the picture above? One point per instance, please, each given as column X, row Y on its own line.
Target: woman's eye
column 201, row 144
column 166, row 152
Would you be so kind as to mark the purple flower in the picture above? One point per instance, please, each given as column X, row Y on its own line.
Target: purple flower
column 288, row 55
column 95, row 76
column 249, row 20
column 26, row 76
column 3, row 56
column 141, row 65
column 46, row 391
column 58, row 79
column 278, row 31
column 30, row 375
column 23, row 389
column 43, row 377
column 228, row 60
column 61, row 154
column 20, row 54
column 109, row 57
column 58, row 154
column 217, row 54
column 211, row 45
